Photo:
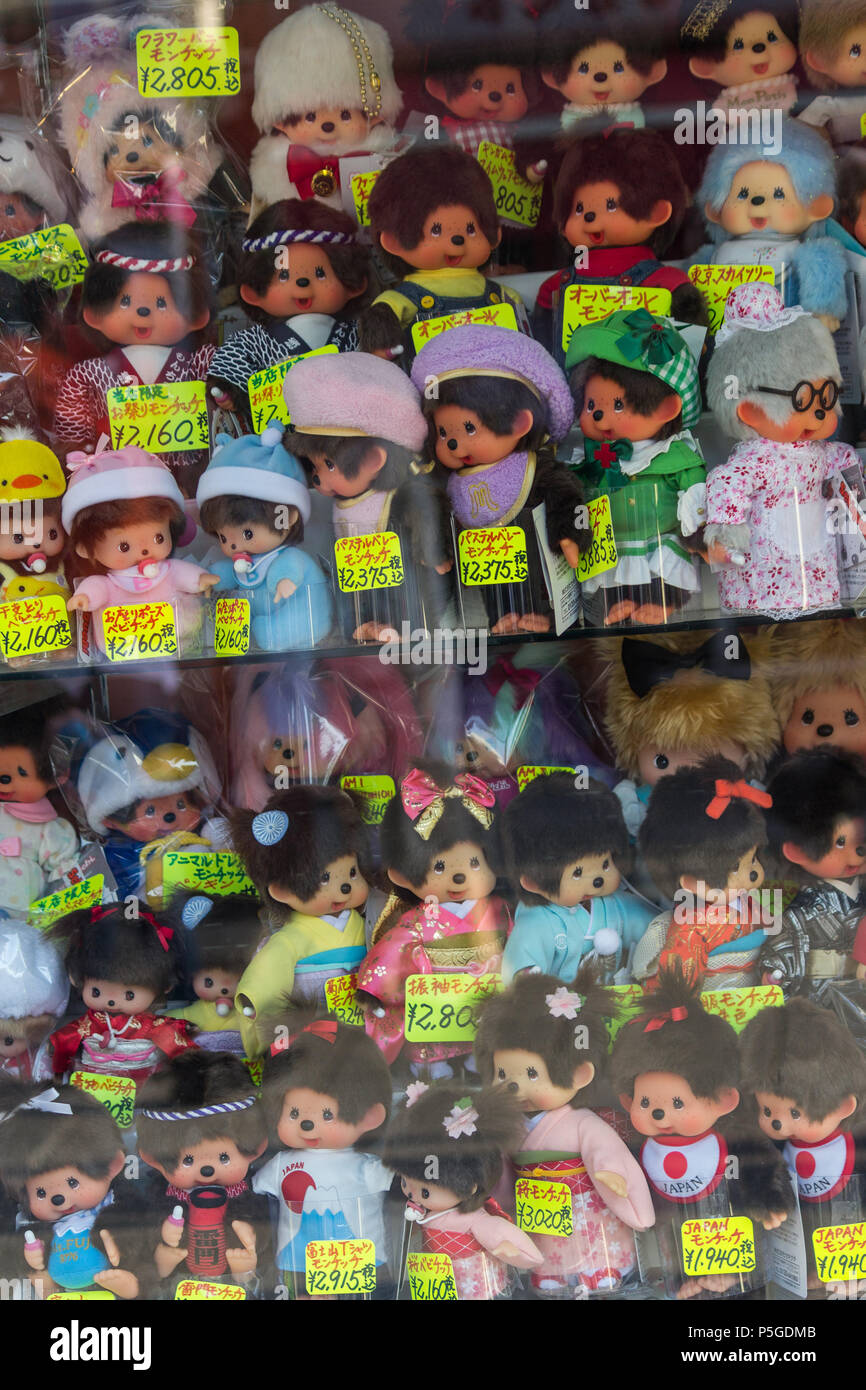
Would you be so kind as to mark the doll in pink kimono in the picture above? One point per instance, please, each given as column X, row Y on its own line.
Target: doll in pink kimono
column 527, row 1042
column 124, row 514
column 437, row 843
column 466, row 1135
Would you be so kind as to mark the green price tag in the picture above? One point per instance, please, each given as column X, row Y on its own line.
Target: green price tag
column 53, row 254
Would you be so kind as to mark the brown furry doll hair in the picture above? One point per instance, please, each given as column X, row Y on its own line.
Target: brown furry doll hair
column 191, row 1081
column 333, row 1059
column 817, row 656
column 36, row 1141
column 643, row 168
column 92, row 522
column 823, row 27
column 802, row 1053
column 411, row 187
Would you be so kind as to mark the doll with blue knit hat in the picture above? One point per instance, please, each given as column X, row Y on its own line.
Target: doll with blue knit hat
column 635, row 385
column 254, row 498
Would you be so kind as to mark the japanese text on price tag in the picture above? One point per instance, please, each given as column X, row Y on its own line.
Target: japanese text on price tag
column 840, row 1252
column 492, row 555
column 340, row 993
column 441, row 1008
column 169, row 417
column 188, row 62
column 589, row 303
column 739, row 1005
column 218, row 872
column 80, row 1295
column 195, row 1290
column 116, row 1093
column 716, row 282
column 517, row 200
column 135, row 631
column 265, row 389
column 53, row 254
column 371, row 561
column 601, row 555
column 718, row 1245
column 32, row 625
column 431, row 1278
column 629, row 1003
column 492, row 315
column 530, row 771
column 44, row 911
column 340, row 1266
column 231, row 634
column 544, row 1207
column 362, row 187
column 376, row 790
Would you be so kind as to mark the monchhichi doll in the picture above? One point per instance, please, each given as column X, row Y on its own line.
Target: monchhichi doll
column 618, row 202
column 817, row 674
column 36, row 845
column 745, row 49
column 833, row 42
column 438, row 842
column 768, row 513
column 324, row 88
column 301, row 277
column 123, row 966
column 767, row 206
column 60, row 1151
column 807, row 1079
column 676, row 1071
column 565, row 847
column 32, row 189
column 34, row 991
column 679, row 698
column 635, row 386
column 146, row 295
column 544, row 1042
column 306, row 854
column 253, row 497
column 32, row 538
column 124, row 514
column 602, row 62
column 496, row 404
column 851, row 189
column 433, row 213
column 702, row 842
column 359, row 429
column 222, row 934
column 148, row 788
column 327, row 1095
column 201, row 1124
column 818, row 833
column 466, row 1136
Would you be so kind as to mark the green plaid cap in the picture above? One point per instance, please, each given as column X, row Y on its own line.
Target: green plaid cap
column 636, row 338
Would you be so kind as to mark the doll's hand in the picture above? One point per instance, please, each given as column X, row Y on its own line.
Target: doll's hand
column 716, row 554
column 284, row 589
column 571, row 552
column 509, row 1252
column 617, row 1184
column 243, row 1260
column 829, row 321
column 171, row 1233
column 860, row 972
column 444, row 567
column 34, row 1252
column 535, row 172
column 78, row 601
column 207, row 581
column 167, row 1260
column 774, row 1219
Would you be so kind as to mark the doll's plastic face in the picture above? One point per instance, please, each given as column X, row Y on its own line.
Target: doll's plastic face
column 598, row 219
column 341, row 885
column 47, row 539
column 290, row 756
column 476, row 755
column 816, row 422
column 114, row 997
column 452, row 237
column 144, row 312
column 847, row 64
column 463, row 441
column 427, row 1197
column 747, row 875
column 304, row 282
column 330, row 482
column 757, row 47
column 456, row 875
column 780, row 1117
column 836, row 715
column 311, row 1120
column 327, row 125
column 18, row 216
column 13, row 1041
column 19, row 780
column 215, row 986
column 655, row 761
column 253, row 538
column 857, row 225
column 602, row 74
column 844, row 858
column 64, row 1190
column 138, row 152
column 122, row 547
column 606, row 413
column 156, row 816
column 664, row 1103
column 212, row 1161
column 762, row 199
column 525, row 1076
column 591, row 876
column 493, row 92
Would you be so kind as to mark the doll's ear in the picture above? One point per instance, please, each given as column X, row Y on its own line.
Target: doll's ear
column 362, row 288
column 436, row 87
column 728, row 1098
column 661, row 212
column 523, row 422
column 847, row 1107
column 82, row 552
column 549, row 80
column 625, row 1100
column 703, row 68
column 820, row 207
column 669, row 408
column 399, row 879
column 152, row 1163
column 530, row 885
column 377, row 456
column 389, row 243
column 658, row 70
column 794, row 854
column 812, row 60
column 375, row 1116
column 119, row 1159
column 710, row 213
column 582, row 1075
column 281, row 894
column 259, row 1151
column 689, row 883
column 751, row 415
column 251, row 296
column 200, row 321
column 91, row 317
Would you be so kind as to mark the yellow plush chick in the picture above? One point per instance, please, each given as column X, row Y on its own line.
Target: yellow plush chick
column 28, row 469
column 32, row 586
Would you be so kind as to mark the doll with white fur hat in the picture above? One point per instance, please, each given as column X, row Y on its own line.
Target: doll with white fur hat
column 34, row 991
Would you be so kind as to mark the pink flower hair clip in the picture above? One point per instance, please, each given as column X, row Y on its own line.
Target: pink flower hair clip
column 461, row 1120
column 564, row 1003
column 414, row 1091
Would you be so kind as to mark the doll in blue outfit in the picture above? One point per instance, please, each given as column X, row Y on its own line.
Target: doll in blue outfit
column 564, row 839
column 254, row 499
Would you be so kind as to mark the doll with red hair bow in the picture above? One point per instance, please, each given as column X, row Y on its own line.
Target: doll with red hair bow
column 439, row 845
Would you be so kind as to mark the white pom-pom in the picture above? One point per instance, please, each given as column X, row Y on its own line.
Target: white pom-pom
column 150, row 571
column 607, row 941
column 271, row 437
column 38, row 564
column 249, row 1011
column 242, row 564
column 223, row 1009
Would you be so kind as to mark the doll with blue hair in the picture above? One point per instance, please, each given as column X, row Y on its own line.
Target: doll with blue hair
column 254, row 498
column 767, row 206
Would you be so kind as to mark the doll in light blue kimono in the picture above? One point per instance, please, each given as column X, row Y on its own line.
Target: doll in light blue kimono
column 254, row 499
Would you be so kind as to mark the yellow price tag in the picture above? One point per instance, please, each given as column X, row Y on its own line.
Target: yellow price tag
column 718, row 1245
column 517, row 200
column 716, row 282
column 362, row 187
column 32, row 625
column 197, row 1290
column 602, row 554
column 188, row 62
column 492, row 315
column 629, row 1003
column 739, row 1005
column 530, row 771
column 431, row 1278
column 441, row 1008
column 44, row 911
column 590, row 303
column 543, row 1207
column 169, row 417
column 376, row 790
column 79, row 1295
column 340, row 1266
column 492, row 555
column 135, row 631
column 340, row 993
column 231, row 636
column 840, row 1252
column 371, row 561
column 116, row 1093
column 265, row 389
column 216, row 872
column 54, row 254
